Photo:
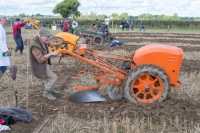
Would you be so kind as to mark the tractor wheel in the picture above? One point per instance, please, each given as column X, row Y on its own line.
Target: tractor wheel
column 112, row 37
column 77, row 33
column 146, row 84
column 97, row 40
column 107, row 39
column 57, row 40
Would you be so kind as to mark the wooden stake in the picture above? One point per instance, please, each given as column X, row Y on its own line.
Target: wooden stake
column 27, row 81
column 42, row 125
column 16, row 94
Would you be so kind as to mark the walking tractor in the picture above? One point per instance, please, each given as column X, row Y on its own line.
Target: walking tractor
column 98, row 38
column 147, row 76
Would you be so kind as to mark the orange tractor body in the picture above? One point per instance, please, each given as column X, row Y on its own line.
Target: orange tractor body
column 169, row 58
column 147, row 76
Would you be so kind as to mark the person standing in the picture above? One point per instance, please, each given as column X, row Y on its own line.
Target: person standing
column 132, row 25
column 43, row 23
column 74, row 25
column 40, row 61
column 66, row 25
column 17, row 34
column 4, row 60
column 107, row 21
column 123, row 24
column 99, row 25
column 61, row 25
column 127, row 25
column 142, row 25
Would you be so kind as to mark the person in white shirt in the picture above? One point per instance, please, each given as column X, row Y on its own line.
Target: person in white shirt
column 74, row 25
column 107, row 21
column 4, row 49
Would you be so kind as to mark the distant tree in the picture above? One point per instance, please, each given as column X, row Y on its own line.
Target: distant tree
column 101, row 17
column 82, row 16
column 124, row 15
column 67, row 7
column 175, row 17
column 155, row 16
column 150, row 17
column 146, row 16
column 142, row 16
column 93, row 15
column 163, row 17
column 22, row 15
column 38, row 14
column 191, row 18
column 115, row 15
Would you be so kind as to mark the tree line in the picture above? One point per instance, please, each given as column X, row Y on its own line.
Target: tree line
column 69, row 8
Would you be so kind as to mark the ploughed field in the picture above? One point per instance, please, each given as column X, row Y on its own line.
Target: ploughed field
column 180, row 110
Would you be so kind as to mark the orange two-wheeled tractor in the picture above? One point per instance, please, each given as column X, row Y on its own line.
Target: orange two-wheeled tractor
column 147, row 76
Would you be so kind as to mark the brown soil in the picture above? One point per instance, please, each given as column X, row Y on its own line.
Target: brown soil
column 130, row 48
column 43, row 109
column 165, row 38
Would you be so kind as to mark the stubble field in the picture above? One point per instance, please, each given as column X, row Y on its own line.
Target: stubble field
column 179, row 113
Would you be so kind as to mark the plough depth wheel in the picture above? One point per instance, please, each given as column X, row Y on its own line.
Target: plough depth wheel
column 113, row 95
column 146, row 84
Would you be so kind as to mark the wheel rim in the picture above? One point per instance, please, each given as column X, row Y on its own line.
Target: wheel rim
column 98, row 40
column 147, row 88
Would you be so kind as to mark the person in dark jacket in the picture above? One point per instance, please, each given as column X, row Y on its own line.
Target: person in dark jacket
column 127, row 25
column 40, row 61
column 132, row 26
column 123, row 24
column 43, row 23
column 61, row 25
column 17, row 34
column 142, row 26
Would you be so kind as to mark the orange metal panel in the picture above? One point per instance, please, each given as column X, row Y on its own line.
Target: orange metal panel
column 70, row 38
column 169, row 58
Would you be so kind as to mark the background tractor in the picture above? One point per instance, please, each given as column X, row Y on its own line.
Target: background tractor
column 147, row 76
column 32, row 23
column 98, row 38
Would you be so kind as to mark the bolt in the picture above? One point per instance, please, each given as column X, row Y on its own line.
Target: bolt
column 146, row 88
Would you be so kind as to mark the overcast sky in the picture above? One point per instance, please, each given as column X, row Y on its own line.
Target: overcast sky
column 132, row 7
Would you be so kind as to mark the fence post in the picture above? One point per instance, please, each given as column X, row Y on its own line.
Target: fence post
column 168, row 28
column 115, row 28
column 11, row 22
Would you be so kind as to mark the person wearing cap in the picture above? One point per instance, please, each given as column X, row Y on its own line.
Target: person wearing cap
column 40, row 61
column 66, row 25
column 17, row 34
column 4, row 60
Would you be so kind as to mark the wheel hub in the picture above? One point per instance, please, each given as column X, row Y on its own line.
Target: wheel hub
column 146, row 88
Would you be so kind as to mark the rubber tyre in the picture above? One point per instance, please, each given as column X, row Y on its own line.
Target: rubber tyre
column 56, row 40
column 97, row 40
column 77, row 33
column 146, row 80
column 107, row 39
